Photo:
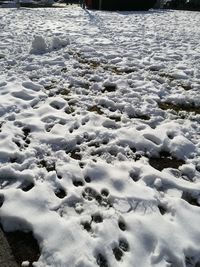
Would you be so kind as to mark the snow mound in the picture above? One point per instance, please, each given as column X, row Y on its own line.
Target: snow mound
column 38, row 45
column 57, row 43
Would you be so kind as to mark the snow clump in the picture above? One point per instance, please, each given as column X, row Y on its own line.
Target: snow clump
column 38, row 45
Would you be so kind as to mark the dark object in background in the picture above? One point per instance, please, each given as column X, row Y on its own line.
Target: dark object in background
column 82, row 3
column 121, row 5
column 175, row 4
column 193, row 5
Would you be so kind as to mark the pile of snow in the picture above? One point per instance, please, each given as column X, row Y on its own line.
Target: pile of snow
column 40, row 45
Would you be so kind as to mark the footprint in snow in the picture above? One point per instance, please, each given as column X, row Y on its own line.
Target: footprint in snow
column 122, row 224
column 118, row 251
column 91, row 194
column 86, row 226
column 57, row 104
column 1, row 124
column 162, row 209
column 97, row 218
column 1, row 200
column 165, row 160
column 75, row 154
column 2, row 84
column 32, row 86
column 26, row 132
column 101, row 260
column 110, row 124
column 22, row 95
column 48, row 165
column 134, row 176
column 78, row 183
column 27, row 186
column 191, row 199
column 124, row 245
column 60, row 193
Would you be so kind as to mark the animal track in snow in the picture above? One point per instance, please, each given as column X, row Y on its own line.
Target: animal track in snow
column 27, row 186
column 122, row 224
column 101, row 260
column 78, row 183
column 60, row 193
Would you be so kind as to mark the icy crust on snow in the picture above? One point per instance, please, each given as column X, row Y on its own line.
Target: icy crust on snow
column 99, row 135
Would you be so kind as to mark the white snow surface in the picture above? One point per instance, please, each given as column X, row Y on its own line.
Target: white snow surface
column 83, row 110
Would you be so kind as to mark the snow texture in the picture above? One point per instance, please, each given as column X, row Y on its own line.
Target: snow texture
column 100, row 135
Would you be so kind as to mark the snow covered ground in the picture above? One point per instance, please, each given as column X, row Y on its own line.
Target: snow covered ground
column 100, row 135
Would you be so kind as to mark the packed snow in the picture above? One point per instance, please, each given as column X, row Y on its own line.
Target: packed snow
column 100, row 135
